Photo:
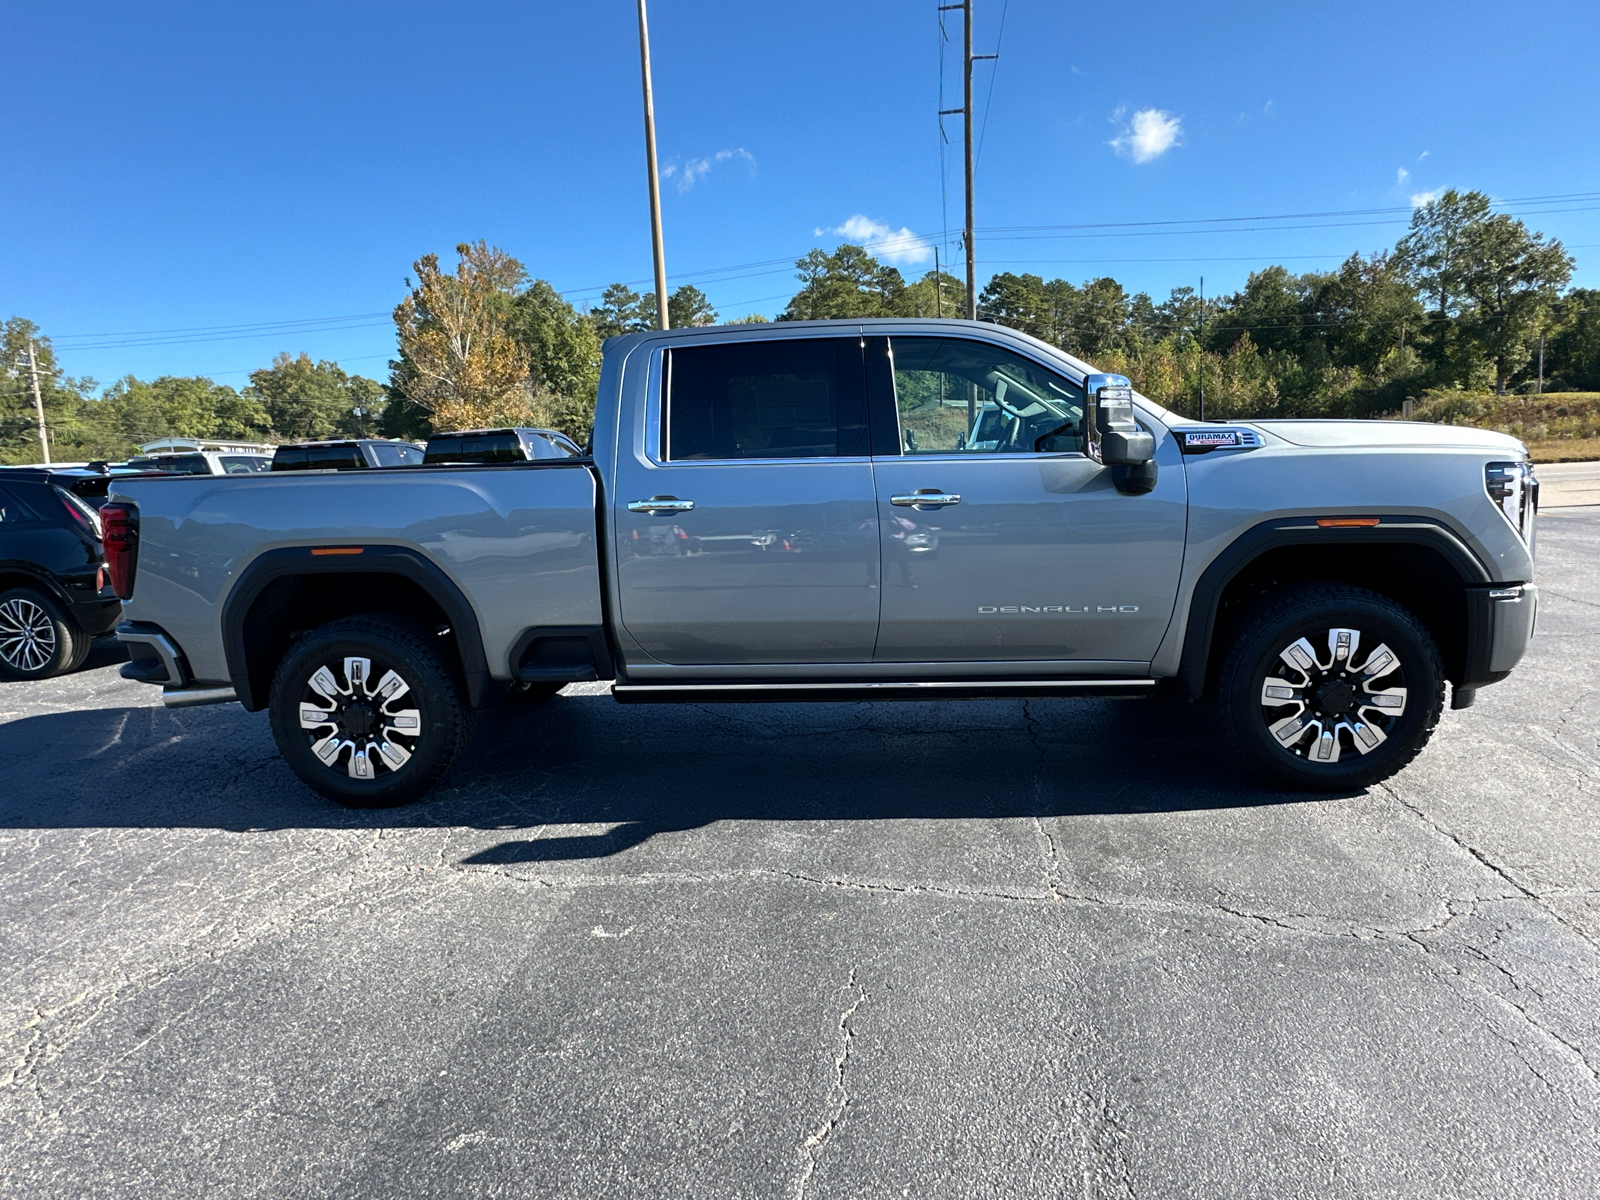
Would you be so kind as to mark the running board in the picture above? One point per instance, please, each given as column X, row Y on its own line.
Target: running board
column 789, row 693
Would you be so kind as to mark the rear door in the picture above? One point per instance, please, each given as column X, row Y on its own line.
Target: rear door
column 746, row 527
column 1001, row 540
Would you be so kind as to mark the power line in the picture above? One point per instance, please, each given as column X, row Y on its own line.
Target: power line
column 192, row 335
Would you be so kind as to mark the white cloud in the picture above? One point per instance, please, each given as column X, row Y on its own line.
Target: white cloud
column 1424, row 155
column 684, row 176
column 882, row 241
column 1149, row 135
column 1400, row 176
column 1418, row 199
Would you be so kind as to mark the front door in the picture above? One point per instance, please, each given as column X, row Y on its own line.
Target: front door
column 747, row 532
column 1001, row 540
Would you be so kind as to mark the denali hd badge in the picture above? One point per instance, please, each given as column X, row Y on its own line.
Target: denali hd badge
column 986, row 609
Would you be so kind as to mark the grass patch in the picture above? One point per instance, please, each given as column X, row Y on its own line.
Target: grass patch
column 1557, row 426
column 1565, row 450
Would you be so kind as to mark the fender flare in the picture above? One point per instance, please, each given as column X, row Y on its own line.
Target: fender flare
column 272, row 565
column 41, row 579
column 1304, row 531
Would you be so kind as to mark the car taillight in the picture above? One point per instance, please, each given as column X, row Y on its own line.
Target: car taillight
column 121, row 544
column 80, row 512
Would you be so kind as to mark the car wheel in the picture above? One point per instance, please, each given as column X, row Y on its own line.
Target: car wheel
column 37, row 638
column 1330, row 688
column 366, row 712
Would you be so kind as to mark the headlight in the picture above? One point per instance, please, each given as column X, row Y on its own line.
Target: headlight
column 1513, row 486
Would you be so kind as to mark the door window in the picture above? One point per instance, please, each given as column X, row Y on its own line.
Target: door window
column 786, row 398
column 12, row 510
column 956, row 396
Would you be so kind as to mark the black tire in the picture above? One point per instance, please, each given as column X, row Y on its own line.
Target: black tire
column 399, row 765
column 532, row 693
column 1331, row 697
column 37, row 638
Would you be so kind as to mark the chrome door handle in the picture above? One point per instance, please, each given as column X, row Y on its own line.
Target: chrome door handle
column 925, row 498
column 660, row 504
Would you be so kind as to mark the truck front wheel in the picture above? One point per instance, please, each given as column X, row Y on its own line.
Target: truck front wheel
column 1327, row 687
column 366, row 712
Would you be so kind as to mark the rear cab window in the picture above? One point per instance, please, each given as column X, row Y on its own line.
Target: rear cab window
column 784, row 398
column 341, row 457
column 499, row 446
column 395, row 454
column 244, row 464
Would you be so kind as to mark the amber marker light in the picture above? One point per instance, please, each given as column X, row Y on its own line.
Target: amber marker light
column 1333, row 523
column 319, row 550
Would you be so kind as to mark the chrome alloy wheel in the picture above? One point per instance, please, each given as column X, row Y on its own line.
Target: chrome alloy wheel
column 27, row 635
column 1323, row 704
column 353, row 714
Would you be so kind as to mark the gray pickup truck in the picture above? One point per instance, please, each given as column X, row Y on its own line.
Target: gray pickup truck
column 864, row 510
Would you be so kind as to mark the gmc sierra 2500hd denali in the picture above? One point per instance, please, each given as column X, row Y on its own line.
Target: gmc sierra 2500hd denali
column 860, row 510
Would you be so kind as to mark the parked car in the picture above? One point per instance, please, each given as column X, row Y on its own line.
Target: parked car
column 55, row 598
column 499, row 446
column 352, row 454
column 1327, row 585
column 201, row 462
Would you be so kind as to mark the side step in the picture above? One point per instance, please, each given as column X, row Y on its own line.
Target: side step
column 789, row 693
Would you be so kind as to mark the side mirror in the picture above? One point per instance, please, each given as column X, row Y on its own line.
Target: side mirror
column 1113, row 435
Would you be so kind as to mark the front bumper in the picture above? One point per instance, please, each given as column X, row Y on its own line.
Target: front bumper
column 1500, row 624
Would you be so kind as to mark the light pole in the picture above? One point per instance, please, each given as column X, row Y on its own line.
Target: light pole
column 655, row 181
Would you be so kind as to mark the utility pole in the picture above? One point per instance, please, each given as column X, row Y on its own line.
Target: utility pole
column 1540, row 392
column 655, row 180
column 1202, row 347
column 968, row 58
column 38, row 404
column 938, row 287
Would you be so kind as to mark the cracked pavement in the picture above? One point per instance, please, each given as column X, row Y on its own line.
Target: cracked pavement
column 1043, row 948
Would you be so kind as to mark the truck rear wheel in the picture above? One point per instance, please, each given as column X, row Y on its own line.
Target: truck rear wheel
column 1330, row 688
column 366, row 712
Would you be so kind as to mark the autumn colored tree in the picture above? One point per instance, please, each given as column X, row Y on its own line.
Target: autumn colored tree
column 461, row 364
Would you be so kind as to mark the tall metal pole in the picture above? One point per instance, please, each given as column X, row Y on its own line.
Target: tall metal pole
column 655, row 180
column 38, row 404
column 966, row 104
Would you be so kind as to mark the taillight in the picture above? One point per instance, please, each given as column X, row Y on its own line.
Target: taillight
column 121, row 544
column 80, row 512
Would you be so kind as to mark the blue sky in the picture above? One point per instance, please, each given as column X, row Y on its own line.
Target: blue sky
column 196, row 166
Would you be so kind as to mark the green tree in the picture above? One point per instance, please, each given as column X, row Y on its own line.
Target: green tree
column 63, row 398
column 1490, row 281
column 306, row 401
column 1572, row 350
column 847, row 283
column 563, row 354
column 686, row 307
column 618, row 311
column 132, row 411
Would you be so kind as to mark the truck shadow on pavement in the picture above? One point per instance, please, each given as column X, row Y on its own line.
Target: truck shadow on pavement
column 642, row 771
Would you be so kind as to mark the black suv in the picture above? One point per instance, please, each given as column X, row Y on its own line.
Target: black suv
column 54, row 595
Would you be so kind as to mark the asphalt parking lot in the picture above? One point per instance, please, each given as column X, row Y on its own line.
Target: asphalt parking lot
column 979, row 949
